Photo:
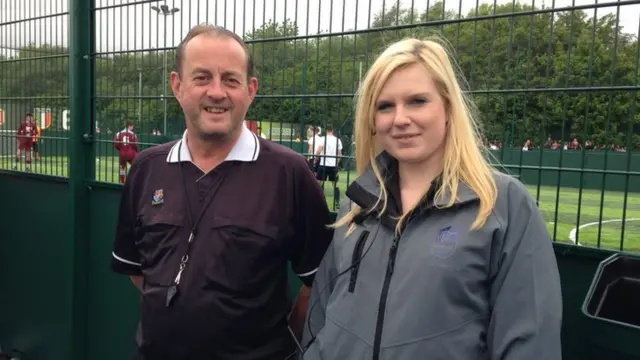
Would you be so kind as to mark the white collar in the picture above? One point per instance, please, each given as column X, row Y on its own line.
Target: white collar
column 247, row 149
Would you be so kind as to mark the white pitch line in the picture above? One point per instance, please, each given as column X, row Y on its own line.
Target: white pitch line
column 572, row 233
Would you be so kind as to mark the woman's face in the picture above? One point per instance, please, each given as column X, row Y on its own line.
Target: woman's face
column 410, row 116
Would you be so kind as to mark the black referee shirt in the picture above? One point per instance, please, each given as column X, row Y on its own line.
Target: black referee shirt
column 267, row 211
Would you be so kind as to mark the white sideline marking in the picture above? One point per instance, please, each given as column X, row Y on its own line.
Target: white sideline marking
column 572, row 233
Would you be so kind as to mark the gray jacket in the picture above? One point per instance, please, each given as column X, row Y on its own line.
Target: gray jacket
column 438, row 291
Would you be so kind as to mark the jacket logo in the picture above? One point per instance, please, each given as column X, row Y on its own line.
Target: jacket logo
column 445, row 244
column 158, row 197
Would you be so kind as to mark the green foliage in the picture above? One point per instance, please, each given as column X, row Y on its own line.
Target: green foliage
column 531, row 75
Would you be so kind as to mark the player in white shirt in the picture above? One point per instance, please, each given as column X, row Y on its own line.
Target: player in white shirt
column 329, row 152
column 315, row 140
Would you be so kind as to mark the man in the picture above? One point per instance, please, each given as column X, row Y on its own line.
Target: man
column 24, row 136
column 126, row 142
column 329, row 152
column 314, row 141
column 208, row 224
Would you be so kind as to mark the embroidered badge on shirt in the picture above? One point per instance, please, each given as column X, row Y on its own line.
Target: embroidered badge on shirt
column 158, row 197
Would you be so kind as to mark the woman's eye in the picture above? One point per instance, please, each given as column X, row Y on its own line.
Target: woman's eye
column 384, row 106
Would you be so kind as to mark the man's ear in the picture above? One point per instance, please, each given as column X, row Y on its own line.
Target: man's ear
column 253, row 88
column 175, row 84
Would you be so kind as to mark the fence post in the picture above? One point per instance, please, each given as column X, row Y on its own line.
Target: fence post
column 81, row 161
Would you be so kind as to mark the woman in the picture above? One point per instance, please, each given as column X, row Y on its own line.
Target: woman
column 438, row 256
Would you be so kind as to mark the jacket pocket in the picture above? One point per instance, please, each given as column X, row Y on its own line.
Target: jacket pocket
column 356, row 258
column 334, row 342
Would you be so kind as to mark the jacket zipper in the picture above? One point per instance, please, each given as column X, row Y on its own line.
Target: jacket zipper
column 383, row 297
column 356, row 258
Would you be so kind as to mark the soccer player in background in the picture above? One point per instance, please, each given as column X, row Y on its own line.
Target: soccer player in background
column 126, row 142
column 25, row 134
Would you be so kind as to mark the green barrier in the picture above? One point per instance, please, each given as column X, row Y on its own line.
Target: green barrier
column 612, row 304
column 37, row 277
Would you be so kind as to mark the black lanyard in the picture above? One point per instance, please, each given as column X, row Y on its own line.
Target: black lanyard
column 173, row 290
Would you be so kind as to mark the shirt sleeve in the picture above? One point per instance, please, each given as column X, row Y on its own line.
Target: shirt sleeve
column 125, row 258
column 313, row 235
column 525, row 297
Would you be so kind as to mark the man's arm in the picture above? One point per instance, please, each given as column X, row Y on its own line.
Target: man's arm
column 318, row 298
column 312, row 237
column 137, row 281
column 116, row 141
column 318, row 152
column 299, row 311
column 125, row 258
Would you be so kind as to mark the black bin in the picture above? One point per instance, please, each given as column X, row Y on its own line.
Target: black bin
column 613, row 303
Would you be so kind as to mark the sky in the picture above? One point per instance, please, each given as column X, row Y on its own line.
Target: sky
column 131, row 24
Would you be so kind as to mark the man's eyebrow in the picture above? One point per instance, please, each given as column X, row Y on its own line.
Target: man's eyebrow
column 232, row 73
column 201, row 71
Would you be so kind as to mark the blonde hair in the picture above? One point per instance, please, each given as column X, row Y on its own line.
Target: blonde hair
column 464, row 160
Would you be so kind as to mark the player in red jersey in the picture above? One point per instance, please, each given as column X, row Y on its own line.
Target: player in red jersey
column 126, row 142
column 25, row 135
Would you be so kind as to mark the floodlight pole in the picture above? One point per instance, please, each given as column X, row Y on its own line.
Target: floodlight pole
column 165, row 11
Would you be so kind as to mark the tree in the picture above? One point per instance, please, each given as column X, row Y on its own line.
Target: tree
column 530, row 74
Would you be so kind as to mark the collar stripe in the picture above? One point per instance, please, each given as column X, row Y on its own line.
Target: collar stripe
column 246, row 149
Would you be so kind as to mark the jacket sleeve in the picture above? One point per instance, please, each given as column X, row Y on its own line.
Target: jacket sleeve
column 525, row 297
column 323, row 284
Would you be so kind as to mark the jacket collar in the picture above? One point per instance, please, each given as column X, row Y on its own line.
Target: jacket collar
column 364, row 191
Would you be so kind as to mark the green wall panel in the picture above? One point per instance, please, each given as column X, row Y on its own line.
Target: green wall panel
column 571, row 162
column 584, row 338
column 113, row 299
column 36, row 267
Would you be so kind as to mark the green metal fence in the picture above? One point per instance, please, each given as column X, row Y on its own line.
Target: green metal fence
column 549, row 72
column 539, row 72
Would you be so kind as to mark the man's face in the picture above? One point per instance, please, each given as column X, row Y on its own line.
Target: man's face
column 213, row 88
